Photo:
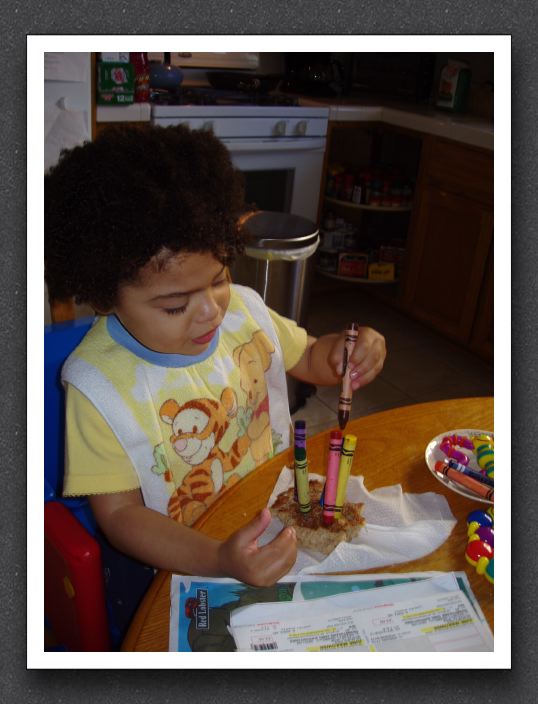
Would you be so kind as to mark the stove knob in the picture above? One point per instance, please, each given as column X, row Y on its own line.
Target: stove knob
column 300, row 127
column 207, row 126
column 279, row 130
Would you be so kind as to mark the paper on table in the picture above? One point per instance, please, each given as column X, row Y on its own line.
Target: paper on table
column 398, row 527
column 428, row 615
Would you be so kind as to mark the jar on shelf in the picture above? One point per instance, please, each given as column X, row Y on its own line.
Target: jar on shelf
column 367, row 187
column 338, row 185
column 396, row 199
column 376, row 198
column 329, row 222
column 349, row 237
column 407, row 195
column 347, row 188
column 357, row 194
column 327, row 260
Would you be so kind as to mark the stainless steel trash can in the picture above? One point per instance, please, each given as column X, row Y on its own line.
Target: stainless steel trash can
column 278, row 264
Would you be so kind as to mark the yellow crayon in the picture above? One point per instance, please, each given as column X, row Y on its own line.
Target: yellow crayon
column 344, row 469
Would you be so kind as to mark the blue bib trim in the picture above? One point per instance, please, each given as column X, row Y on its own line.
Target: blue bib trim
column 124, row 338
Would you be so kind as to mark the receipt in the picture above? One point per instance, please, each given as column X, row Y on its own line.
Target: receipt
column 384, row 619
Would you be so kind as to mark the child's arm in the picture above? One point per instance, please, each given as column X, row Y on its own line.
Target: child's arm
column 321, row 362
column 161, row 542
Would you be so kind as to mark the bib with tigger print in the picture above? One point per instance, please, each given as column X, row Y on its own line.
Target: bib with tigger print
column 191, row 426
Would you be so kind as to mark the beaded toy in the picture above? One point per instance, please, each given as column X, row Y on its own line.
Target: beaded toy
column 482, row 446
column 479, row 551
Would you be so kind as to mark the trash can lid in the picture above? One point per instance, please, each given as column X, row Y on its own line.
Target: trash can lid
column 270, row 229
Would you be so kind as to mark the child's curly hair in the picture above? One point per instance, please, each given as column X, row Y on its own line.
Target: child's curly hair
column 114, row 203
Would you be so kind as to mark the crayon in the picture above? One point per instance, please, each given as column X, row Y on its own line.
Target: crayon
column 344, row 469
column 302, row 492
column 329, row 490
column 344, row 402
column 464, row 480
column 301, row 481
column 299, row 441
column 299, row 434
column 464, row 470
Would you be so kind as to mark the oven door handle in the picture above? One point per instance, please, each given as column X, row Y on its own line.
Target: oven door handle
column 274, row 145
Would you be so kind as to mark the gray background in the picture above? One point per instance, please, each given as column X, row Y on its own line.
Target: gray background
column 276, row 17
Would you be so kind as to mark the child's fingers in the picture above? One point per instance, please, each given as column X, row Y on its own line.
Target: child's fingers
column 368, row 354
column 369, row 368
column 277, row 557
column 252, row 531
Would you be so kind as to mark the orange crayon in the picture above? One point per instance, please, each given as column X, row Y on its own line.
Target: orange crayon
column 478, row 488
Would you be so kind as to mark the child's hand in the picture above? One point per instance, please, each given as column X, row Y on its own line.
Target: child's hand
column 242, row 558
column 366, row 360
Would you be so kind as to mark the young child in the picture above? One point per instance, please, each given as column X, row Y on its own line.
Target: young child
column 179, row 388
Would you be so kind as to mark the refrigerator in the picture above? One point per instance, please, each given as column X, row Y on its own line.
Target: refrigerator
column 67, row 116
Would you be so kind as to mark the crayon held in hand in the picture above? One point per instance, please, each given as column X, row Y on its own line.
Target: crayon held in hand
column 344, row 402
column 344, row 470
column 464, row 480
column 329, row 496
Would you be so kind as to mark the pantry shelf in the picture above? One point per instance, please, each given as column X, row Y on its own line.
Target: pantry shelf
column 377, row 208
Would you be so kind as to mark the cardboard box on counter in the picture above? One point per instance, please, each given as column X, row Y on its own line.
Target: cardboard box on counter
column 115, row 83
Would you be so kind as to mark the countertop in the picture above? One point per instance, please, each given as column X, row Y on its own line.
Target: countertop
column 468, row 129
column 476, row 131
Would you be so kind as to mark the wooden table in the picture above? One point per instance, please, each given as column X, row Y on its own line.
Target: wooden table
column 390, row 451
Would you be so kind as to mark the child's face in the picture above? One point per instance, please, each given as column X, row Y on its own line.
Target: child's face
column 176, row 309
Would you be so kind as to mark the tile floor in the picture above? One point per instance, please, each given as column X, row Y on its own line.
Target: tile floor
column 421, row 365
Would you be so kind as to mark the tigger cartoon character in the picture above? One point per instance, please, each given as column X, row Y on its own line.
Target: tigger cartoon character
column 253, row 359
column 197, row 428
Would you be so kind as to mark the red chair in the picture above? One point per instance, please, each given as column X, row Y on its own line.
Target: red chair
column 74, row 585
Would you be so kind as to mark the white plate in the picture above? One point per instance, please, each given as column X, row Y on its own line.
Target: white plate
column 433, row 454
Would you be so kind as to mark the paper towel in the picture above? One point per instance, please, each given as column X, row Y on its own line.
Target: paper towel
column 399, row 527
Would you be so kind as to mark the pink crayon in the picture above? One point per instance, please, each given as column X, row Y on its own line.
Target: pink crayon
column 335, row 446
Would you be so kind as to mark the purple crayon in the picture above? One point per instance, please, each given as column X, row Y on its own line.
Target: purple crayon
column 299, row 435
column 299, row 446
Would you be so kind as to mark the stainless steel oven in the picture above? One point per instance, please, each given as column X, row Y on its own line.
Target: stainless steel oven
column 280, row 149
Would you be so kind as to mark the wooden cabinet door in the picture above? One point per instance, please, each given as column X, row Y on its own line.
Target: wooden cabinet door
column 482, row 335
column 446, row 266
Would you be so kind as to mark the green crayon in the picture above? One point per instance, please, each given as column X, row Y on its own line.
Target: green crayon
column 301, row 480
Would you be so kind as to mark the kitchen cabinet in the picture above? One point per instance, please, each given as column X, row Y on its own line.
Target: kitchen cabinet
column 482, row 334
column 450, row 243
column 446, row 279
column 381, row 163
